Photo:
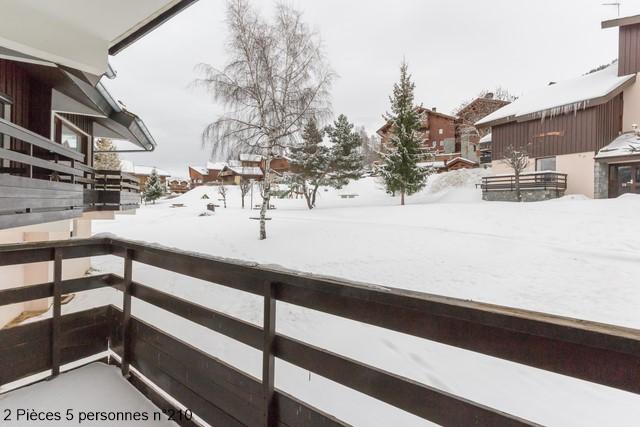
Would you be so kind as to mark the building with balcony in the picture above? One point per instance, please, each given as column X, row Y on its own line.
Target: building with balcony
column 53, row 104
column 575, row 128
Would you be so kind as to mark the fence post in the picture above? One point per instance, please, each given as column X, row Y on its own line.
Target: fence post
column 57, row 308
column 269, row 326
column 126, row 313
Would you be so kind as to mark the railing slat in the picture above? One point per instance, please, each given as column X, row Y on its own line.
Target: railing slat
column 126, row 310
column 268, row 361
column 57, row 307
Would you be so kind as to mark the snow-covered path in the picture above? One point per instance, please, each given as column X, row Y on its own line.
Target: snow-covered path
column 572, row 257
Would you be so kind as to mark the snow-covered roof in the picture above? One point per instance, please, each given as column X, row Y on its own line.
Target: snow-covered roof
column 461, row 159
column 246, row 157
column 245, row 170
column 563, row 97
column 201, row 170
column 129, row 167
column 486, row 138
column 627, row 144
column 216, row 166
column 435, row 164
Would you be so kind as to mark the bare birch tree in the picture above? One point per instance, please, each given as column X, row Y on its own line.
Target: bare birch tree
column 518, row 160
column 276, row 79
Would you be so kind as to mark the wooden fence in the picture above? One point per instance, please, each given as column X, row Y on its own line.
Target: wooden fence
column 224, row 396
column 528, row 181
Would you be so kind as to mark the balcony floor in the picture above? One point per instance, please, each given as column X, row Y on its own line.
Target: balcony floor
column 92, row 388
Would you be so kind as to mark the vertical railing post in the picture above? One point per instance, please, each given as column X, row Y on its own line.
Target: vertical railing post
column 268, row 363
column 57, row 307
column 126, row 313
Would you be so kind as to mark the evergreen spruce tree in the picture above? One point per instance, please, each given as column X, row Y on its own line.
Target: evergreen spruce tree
column 346, row 157
column 154, row 189
column 108, row 159
column 400, row 171
column 310, row 162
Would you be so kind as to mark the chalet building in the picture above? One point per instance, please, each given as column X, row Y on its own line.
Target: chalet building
column 178, row 185
column 278, row 164
column 468, row 136
column 234, row 173
column 142, row 173
column 438, row 132
column 570, row 128
column 207, row 174
column 52, row 107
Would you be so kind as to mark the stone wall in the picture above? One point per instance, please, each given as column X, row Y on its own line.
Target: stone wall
column 527, row 195
column 601, row 180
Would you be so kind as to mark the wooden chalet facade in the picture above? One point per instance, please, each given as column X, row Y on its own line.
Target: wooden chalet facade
column 564, row 125
column 200, row 175
column 438, row 132
column 178, row 185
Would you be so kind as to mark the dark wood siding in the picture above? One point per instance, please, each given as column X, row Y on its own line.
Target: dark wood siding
column 629, row 50
column 583, row 131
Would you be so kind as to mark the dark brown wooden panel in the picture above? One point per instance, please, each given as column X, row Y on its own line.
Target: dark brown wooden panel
column 426, row 402
column 585, row 130
column 26, row 350
column 192, row 372
column 45, row 290
column 26, row 253
column 629, row 49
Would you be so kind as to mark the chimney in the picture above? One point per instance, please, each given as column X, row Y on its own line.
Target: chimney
column 434, row 109
column 551, row 83
column 488, row 95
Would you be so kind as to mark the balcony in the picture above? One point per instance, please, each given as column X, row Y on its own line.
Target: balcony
column 42, row 181
column 113, row 190
column 151, row 359
column 534, row 186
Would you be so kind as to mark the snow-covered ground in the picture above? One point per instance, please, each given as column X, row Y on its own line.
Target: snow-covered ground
column 573, row 257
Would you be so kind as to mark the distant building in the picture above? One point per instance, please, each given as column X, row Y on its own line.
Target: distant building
column 235, row 173
column 438, row 132
column 143, row 173
column 579, row 127
column 467, row 135
column 178, row 185
column 205, row 174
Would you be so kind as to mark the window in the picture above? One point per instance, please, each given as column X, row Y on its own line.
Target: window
column 546, row 164
column 440, row 131
column 70, row 136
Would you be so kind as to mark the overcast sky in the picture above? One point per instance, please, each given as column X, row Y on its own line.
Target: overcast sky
column 454, row 48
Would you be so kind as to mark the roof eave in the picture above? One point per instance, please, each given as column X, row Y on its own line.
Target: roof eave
column 621, row 22
column 127, row 39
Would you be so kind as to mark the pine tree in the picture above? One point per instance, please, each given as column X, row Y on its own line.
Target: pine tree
column 346, row 157
column 108, row 159
column 153, row 190
column 310, row 162
column 400, row 171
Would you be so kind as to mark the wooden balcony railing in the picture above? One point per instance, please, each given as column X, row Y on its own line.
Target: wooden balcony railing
column 223, row 395
column 43, row 181
column 528, row 181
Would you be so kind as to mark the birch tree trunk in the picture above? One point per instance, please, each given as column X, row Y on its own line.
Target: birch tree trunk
column 266, row 197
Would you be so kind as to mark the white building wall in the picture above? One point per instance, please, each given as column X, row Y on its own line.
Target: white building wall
column 42, row 272
column 579, row 168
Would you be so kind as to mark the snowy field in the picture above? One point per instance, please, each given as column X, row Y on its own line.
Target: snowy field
column 572, row 257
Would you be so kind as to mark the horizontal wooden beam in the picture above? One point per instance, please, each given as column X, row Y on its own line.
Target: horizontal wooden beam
column 45, row 290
